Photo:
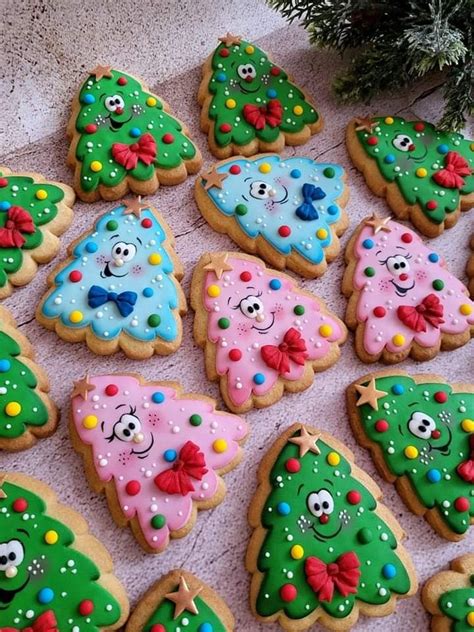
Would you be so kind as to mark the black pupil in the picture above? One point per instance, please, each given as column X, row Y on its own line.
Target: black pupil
column 118, row 250
column 131, row 425
column 256, row 307
column 422, row 428
column 325, row 505
column 250, row 309
column 261, row 191
column 12, row 557
column 244, row 71
column 317, row 506
column 127, row 432
column 125, row 252
column 3, row 559
column 117, row 101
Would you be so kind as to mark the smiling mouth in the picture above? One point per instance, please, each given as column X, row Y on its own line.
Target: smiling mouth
column 322, row 538
column 106, row 272
column 246, row 91
column 444, row 449
column 142, row 454
column 6, row 596
column 401, row 291
column 116, row 125
column 284, row 199
column 418, row 158
column 263, row 330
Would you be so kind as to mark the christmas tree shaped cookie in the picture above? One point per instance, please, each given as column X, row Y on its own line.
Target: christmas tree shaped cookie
column 26, row 411
column 123, row 137
column 180, row 601
column 449, row 596
column 249, row 104
column 156, row 452
column 421, row 435
column 289, row 211
column 54, row 575
column 324, row 548
column 33, row 213
column 260, row 333
column 119, row 287
column 402, row 299
column 425, row 174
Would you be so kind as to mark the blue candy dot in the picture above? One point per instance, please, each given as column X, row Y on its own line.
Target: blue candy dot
column 170, row 455
column 259, row 378
column 389, row 159
column 4, row 206
column 397, row 389
column 148, row 292
column 271, row 93
column 333, row 209
column 389, row 571
column 158, row 397
column 45, row 595
column 91, row 246
column 368, row 244
column 434, row 476
column 283, row 509
column 88, row 98
column 433, row 257
column 442, row 149
column 205, row 627
column 135, row 132
column 275, row 284
column 5, row 366
column 295, row 173
column 221, row 77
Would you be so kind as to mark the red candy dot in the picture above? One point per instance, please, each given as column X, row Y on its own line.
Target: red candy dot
column 224, row 52
column 353, row 497
column 146, row 223
column 75, row 276
column 407, row 238
column 3, row 182
column 436, row 434
column 461, row 504
column 86, row 607
column 275, row 71
column 122, row 81
column 245, row 276
column 288, row 592
column 235, row 170
column 284, row 231
column 225, row 128
column 91, row 128
column 431, row 205
column 324, row 519
column 403, row 277
column 379, row 311
column 440, row 397
column 372, row 140
column 168, row 138
column 381, row 425
column 235, row 355
column 111, row 390
column 293, row 466
column 133, row 488
column 20, row 505
column 419, row 127
column 157, row 627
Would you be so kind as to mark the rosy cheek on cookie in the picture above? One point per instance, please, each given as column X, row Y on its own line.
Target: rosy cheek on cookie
column 100, row 260
column 244, row 328
column 137, row 270
column 420, row 275
column 385, row 285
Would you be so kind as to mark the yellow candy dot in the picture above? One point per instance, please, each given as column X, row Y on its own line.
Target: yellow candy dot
column 265, row 167
column 470, row 619
column 230, row 103
column 213, row 291
column 219, row 446
column 41, row 194
column 465, row 309
column 325, row 331
column 76, row 316
column 151, row 101
column 96, row 165
column 297, row 552
column 154, row 259
column 421, row 172
column 322, row 233
column 298, row 110
column 12, row 409
column 411, row 452
column 249, row 49
column 90, row 421
column 333, row 458
column 51, row 537
column 389, row 120
column 467, row 425
column 471, row 146
column 398, row 340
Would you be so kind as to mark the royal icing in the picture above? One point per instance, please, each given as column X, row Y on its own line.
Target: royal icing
column 160, row 450
column 291, row 203
column 431, row 168
column 121, row 129
column 250, row 97
column 470, row 269
column 122, row 279
column 259, row 326
column 46, row 582
column 323, row 542
column 424, row 431
column 405, row 292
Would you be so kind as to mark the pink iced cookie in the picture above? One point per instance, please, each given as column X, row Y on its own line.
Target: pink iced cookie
column 156, row 452
column 261, row 333
column 403, row 301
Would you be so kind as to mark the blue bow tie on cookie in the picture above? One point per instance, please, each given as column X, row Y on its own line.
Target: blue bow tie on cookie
column 306, row 210
column 125, row 301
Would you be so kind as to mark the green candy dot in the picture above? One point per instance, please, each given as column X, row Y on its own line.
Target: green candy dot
column 195, row 420
column 438, row 284
column 370, row 272
column 365, row 535
column 158, row 521
column 224, row 323
column 112, row 224
column 241, row 209
column 154, row 320
column 299, row 310
column 329, row 172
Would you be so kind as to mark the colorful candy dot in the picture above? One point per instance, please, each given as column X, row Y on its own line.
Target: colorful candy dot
column 235, row 170
column 111, row 225
column 88, row 98
column 204, row 627
column 467, row 425
column 353, row 497
column 220, row 446
column 4, row 205
column 271, row 93
column 157, row 627
column 465, row 309
column 288, row 592
column 325, row 331
column 298, row 310
column 122, row 81
column 221, row 77
column 146, row 223
column 265, row 167
column 235, row 355
column 274, row 71
column 245, row 276
column 389, row 571
column 90, row 422
column 151, row 102
column 431, row 205
column 441, row 397
column 96, row 166
column 438, row 284
column 3, row 183
column 433, row 257
column 284, row 231
column 365, row 535
column 51, row 537
column 333, row 459
column 442, row 149
column 389, row 159
column 419, row 126
column 462, row 504
column 135, row 132
column 411, row 452
column 382, row 425
column 20, row 505
column 158, row 521
column 259, row 378
column 5, row 366
column 75, row 276
column 389, row 120
column 295, row 173
column 41, row 194
column 298, row 110
column 322, row 233
column 369, row 271
column 195, row 420
column 283, row 508
column 158, row 397
column 86, row 607
column 329, row 172
column 398, row 389
column 225, row 128
column 297, row 551
column 90, row 128
column 372, row 140
column 91, row 247
column 213, row 291
column 241, row 209
column 293, row 466
column 170, row 455
column 45, row 595
column 132, row 488
column 13, row 409
column 154, row 259
column 249, row 49
column 167, row 138
column 275, row 284
column 421, row 172
column 433, row 475
column 223, row 323
column 153, row 320
column 398, row 340
column 407, row 238
column 333, row 209
column 368, row 244
column 379, row 311
column 224, row 52
column 111, row 390
column 76, row 316
column 230, row 104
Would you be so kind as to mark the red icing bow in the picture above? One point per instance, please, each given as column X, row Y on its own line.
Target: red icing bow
column 430, row 310
column 259, row 115
column 292, row 348
column 46, row 622
column 129, row 155
column 342, row 575
column 189, row 464
column 466, row 469
column 18, row 221
column 455, row 166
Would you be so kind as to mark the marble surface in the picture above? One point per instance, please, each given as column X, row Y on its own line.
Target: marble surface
column 43, row 77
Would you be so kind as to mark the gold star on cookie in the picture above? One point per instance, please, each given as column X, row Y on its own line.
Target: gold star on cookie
column 100, row 72
column 134, row 206
column 378, row 223
column 82, row 388
column 369, row 394
column 217, row 263
column 366, row 124
column 306, row 442
column 230, row 40
column 213, row 179
column 183, row 598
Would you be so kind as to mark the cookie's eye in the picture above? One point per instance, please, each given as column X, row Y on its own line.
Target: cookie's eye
column 115, row 103
column 327, row 501
column 251, row 306
column 397, row 265
column 246, row 71
column 314, row 504
column 11, row 554
column 127, row 427
column 421, row 425
column 402, row 142
column 261, row 190
column 124, row 251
